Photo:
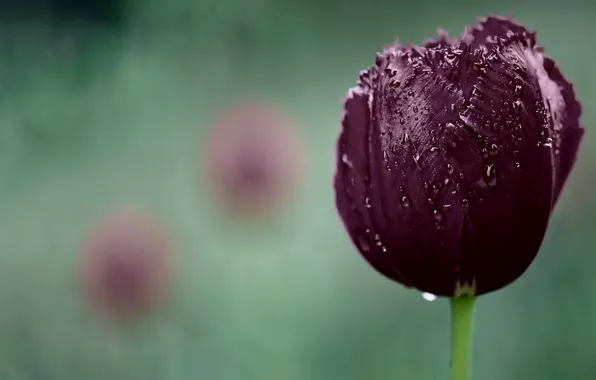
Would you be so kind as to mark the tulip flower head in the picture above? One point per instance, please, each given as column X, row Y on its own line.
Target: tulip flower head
column 125, row 264
column 253, row 158
column 452, row 156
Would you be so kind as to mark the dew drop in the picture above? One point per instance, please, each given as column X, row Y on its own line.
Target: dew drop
column 449, row 168
column 446, row 181
column 490, row 176
column 494, row 150
column 516, row 107
column 402, row 121
column 378, row 240
column 434, row 150
column 434, row 189
column 415, row 109
column 404, row 201
column 416, row 158
column 429, row 297
column 548, row 143
column 484, row 152
column 517, row 90
column 346, row 160
column 438, row 215
column 464, row 202
column 367, row 202
column 517, row 165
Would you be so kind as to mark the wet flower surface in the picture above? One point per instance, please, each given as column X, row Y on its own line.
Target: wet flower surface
column 253, row 157
column 452, row 156
column 125, row 264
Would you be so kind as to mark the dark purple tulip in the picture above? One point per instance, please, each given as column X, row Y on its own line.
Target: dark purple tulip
column 452, row 156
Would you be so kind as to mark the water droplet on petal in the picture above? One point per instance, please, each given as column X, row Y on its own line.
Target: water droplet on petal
column 434, row 189
column 548, row 143
column 494, row 149
column 438, row 215
column 434, row 150
column 367, row 202
column 449, row 168
column 415, row 109
column 517, row 165
column 490, row 175
column 429, row 297
column 404, row 201
column 516, row 107
column 346, row 160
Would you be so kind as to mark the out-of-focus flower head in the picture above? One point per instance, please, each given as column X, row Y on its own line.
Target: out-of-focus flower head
column 125, row 264
column 253, row 157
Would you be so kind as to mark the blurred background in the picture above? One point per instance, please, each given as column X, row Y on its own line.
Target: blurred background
column 110, row 103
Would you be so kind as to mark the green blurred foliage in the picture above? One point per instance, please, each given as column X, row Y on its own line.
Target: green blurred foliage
column 93, row 117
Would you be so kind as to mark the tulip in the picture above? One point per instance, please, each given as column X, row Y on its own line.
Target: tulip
column 253, row 158
column 125, row 264
column 451, row 158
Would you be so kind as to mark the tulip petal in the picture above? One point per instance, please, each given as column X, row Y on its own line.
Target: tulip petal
column 352, row 181
column 511, row 188
column 392, row 176
column 567, row 129
column 494, row 29
column 557, row 91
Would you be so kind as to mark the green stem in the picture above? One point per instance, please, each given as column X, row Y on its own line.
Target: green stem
column 462, row 323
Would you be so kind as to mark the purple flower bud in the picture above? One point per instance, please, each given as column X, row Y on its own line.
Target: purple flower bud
column 125, row 264
column 452, row 156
